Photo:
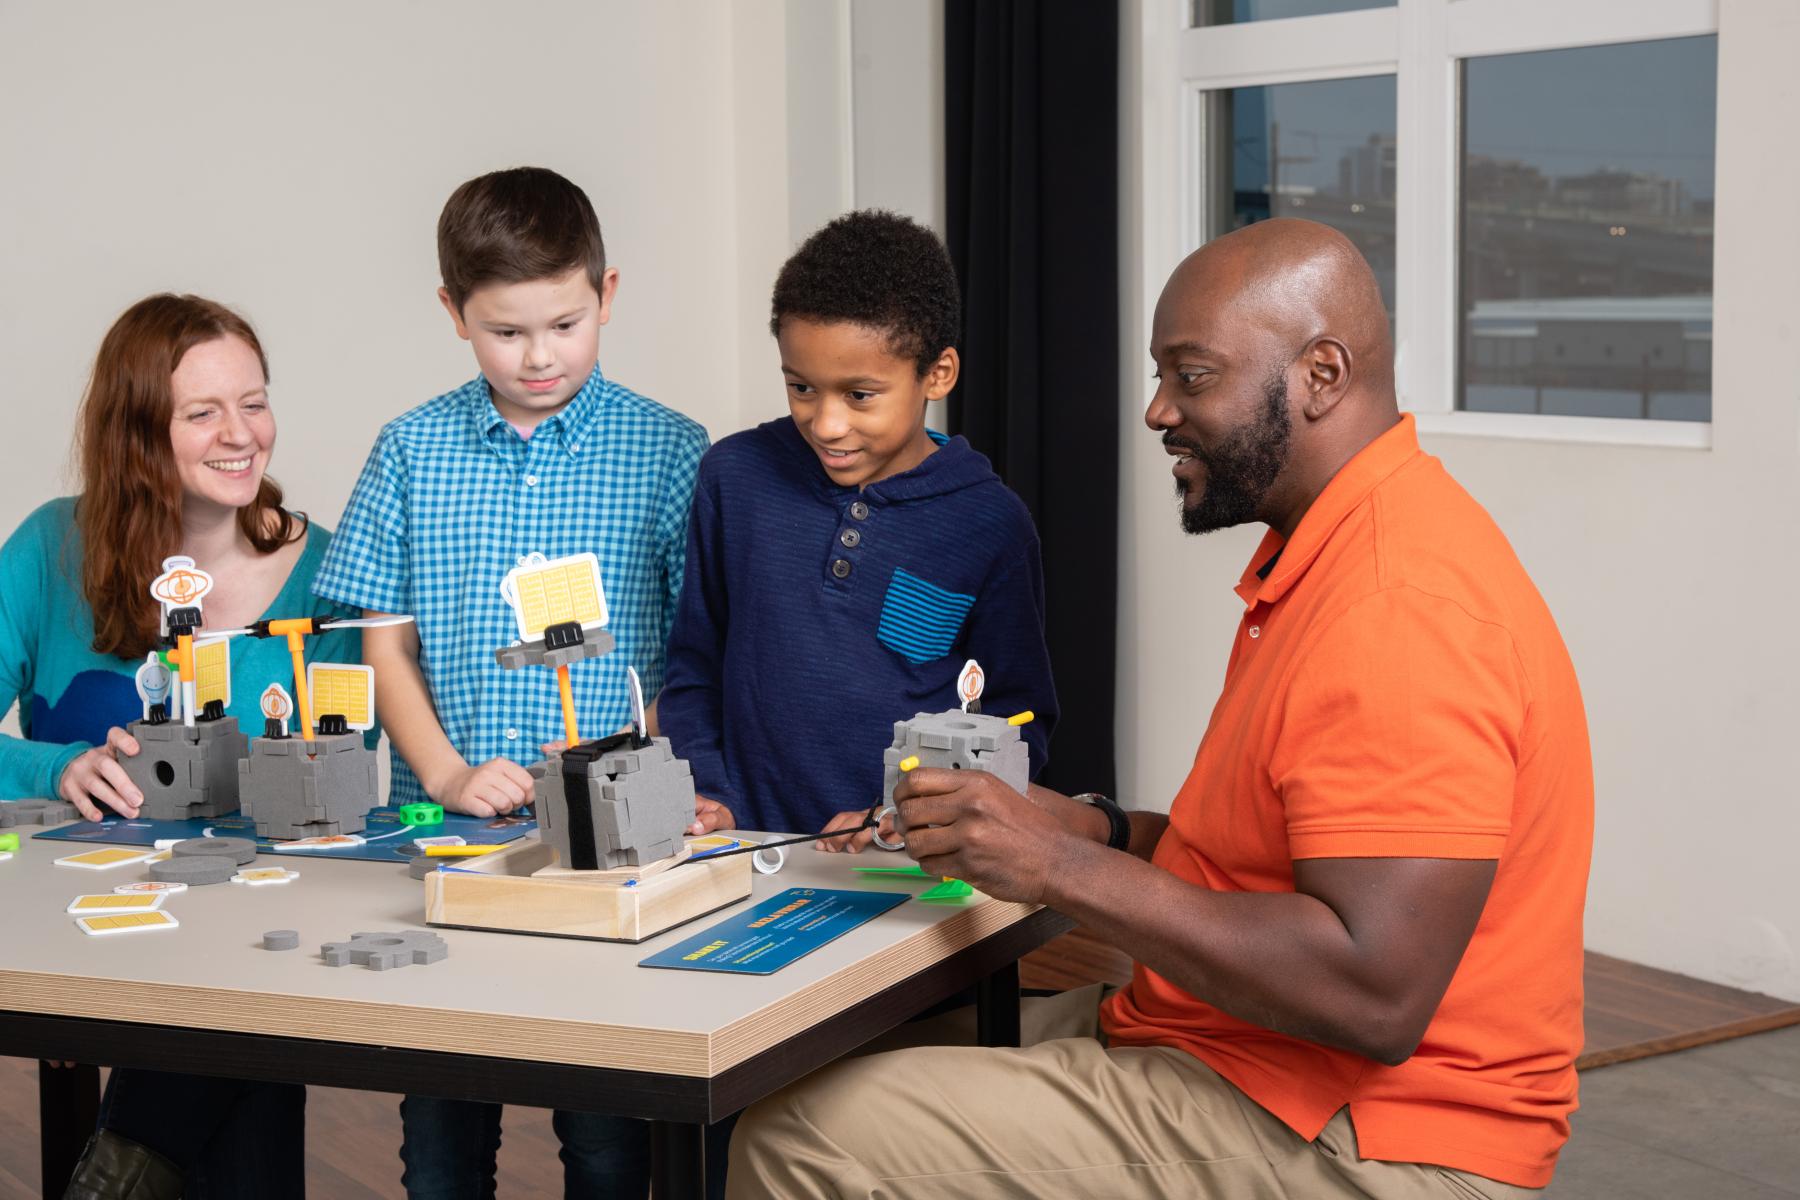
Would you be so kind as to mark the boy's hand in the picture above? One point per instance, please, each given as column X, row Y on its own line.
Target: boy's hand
column 556, row 747
column 710, row 815
column 857, row 843
column 497, row 786
column 97, row 775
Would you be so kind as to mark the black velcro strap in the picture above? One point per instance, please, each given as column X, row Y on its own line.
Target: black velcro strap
column 575, row 761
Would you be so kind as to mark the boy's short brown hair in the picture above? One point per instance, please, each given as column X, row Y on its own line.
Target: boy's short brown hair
column 514, row 226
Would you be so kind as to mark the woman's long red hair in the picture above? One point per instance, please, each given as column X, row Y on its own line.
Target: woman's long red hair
column 129, row 511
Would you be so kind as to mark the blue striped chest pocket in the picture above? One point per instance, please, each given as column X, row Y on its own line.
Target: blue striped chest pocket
column 920, row 621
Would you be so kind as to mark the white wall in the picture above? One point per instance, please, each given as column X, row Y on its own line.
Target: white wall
column 292, row 163
column 1672, row 572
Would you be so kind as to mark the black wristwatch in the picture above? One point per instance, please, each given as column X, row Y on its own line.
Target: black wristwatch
column 1118, row 836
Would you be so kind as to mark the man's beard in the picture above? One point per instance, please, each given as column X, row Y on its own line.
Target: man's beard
column 1240, row 472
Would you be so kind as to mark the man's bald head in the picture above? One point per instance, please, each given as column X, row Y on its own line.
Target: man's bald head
column 1275, row 366
column 1297, row 281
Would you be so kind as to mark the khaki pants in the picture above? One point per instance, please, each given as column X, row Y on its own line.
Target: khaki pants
column 1064, row 1117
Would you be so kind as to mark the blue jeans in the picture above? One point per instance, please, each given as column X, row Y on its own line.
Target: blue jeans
column 450, row 1146
column 229, row 1137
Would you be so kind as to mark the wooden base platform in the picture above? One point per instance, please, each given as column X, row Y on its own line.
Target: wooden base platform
column 521, row 890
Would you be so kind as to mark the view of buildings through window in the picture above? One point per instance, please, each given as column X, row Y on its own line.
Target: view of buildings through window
column 1583, row 208
column 1230, row 12
column 1324, row 151
column 1587, row 231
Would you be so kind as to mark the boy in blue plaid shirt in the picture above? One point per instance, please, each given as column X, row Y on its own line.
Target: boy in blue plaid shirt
column 541, row 452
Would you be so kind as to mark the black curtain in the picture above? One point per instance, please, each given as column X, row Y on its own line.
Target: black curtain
column 1031, row 110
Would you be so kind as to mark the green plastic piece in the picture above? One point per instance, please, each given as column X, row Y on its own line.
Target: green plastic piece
column 915, row 869
column 950, row 889
column 9, row 841
column 422, row 813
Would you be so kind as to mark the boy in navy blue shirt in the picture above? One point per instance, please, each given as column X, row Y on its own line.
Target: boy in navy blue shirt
column 844, row 562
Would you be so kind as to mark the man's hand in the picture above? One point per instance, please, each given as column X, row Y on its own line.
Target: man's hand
column 97, row 775
column 857, row 843
column 968, row 825
column 710, row 815
column 497, row 786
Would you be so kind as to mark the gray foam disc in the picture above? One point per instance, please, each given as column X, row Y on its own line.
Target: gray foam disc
column 281, row 939
column 195, row 870
column 239, row 850
column 422, row 866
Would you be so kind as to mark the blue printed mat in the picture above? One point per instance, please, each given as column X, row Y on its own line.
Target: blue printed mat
column 385, row 839
column 776, row 932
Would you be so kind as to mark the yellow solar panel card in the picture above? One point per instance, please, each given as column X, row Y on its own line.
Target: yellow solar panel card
column 212, row 672
column 107, row 858
column 343, row 688
column 94, row 906
column 554, row 591
column 142, row 922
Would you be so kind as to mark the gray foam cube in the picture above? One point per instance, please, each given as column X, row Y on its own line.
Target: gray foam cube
column 295, row 788
column 641, row 800
column 186, row 772
column 958, row 741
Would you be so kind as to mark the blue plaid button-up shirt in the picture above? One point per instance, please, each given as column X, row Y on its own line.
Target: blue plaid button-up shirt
column 449, row 501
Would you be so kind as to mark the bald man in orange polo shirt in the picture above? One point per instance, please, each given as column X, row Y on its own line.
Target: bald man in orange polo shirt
column 1358, row 930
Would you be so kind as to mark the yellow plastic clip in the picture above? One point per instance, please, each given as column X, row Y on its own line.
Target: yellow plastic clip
column 1024, row 718
column 909, row 762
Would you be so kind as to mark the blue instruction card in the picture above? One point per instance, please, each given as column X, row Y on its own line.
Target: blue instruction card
column 776, row 932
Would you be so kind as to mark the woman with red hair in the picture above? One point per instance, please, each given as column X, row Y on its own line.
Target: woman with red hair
column 173, row 443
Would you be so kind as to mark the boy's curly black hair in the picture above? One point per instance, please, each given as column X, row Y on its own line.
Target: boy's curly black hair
column 880, row 270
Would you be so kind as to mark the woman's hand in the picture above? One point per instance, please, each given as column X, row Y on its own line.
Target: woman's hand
column 97, row 775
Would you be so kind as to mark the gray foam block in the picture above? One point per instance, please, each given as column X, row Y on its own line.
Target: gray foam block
column 239, row 850
column 281, row 939
column 36, row 812
column 195, row 870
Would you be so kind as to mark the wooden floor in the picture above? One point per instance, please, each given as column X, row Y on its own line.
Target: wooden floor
column 353, row 1138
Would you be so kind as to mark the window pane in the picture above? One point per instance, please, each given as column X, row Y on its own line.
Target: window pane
column 1229, row 12
column 1587, row 231
column 1323, row 151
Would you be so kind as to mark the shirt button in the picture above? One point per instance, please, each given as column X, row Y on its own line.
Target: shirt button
column 840, row 567
column 512, row 735
column 1255, row 631
column 851, row 539
column 531, row 481
column 859, row 510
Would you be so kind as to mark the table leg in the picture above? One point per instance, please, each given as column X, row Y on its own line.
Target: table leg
column 68, row 1106
column 997, row 1007
column 677, row 1161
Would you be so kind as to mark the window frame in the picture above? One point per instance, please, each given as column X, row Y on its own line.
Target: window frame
column 1423, row 43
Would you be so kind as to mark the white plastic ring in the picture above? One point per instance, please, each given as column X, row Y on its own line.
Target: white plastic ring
column 776, row 858
column 899, row 843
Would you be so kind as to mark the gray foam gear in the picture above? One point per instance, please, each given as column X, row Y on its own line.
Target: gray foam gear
column 383, row 951
column 281, row 939
column 959, row 741
column 195, row 870
column 36, row 812
column 241, row 850
column 641, row 802
column 295, row 788
column 186, row 771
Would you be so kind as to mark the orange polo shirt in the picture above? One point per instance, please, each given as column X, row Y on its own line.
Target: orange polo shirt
column 1399, row 689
